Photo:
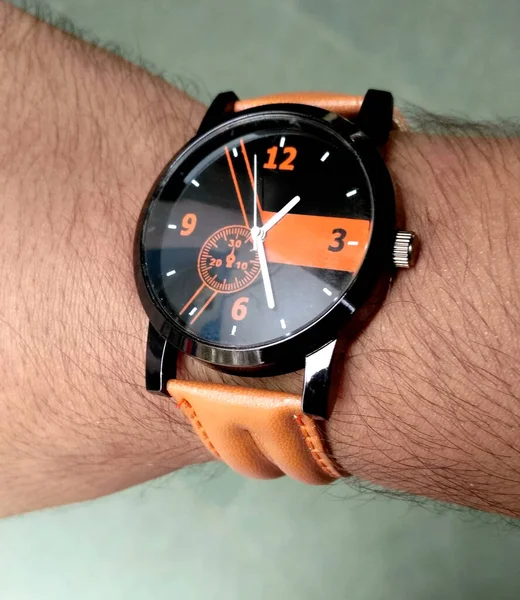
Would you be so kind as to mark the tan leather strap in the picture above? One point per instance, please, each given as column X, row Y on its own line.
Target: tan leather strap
column 342, row 104
column 345, row 105
column 259, row 433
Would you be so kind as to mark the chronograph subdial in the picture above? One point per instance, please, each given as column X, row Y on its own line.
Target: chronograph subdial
column 227, row 261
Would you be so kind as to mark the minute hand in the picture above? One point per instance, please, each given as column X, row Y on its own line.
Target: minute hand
column 280, row 214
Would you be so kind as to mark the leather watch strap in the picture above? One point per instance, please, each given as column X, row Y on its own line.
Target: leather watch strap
column 342, row 104
column 259, row 433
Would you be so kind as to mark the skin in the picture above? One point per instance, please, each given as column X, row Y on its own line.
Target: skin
column 428, row 395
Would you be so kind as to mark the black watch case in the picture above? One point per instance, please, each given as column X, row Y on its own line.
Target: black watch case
column 313, row 348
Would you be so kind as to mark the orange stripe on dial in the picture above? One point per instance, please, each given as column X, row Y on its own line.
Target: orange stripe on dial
column 304, row 240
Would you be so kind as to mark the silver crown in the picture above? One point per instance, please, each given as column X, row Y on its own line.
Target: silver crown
column 405, row 249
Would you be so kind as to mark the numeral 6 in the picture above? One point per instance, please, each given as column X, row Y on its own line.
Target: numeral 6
column 239, row 310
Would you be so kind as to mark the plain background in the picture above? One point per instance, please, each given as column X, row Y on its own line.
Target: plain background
column 205, row 532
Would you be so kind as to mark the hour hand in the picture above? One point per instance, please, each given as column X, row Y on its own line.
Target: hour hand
column 280, row 214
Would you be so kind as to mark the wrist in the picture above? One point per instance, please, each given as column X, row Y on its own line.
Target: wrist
column 427, row 404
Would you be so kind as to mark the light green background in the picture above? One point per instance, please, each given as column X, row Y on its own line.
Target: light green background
column 207, row 533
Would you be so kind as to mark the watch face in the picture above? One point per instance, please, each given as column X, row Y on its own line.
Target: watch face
column 256, row 231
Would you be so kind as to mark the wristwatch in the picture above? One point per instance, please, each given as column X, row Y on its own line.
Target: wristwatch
column 258, row 246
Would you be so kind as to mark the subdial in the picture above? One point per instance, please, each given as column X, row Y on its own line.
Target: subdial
column 227, row 261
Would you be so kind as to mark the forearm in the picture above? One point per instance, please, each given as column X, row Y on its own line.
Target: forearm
column 428, row 398
column 83, row 136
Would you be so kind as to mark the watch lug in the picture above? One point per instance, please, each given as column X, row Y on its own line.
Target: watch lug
column 316, row 387
column 217, row 111
column 161, row 362
column 376, row 115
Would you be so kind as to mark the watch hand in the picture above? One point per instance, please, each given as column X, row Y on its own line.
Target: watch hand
column 237, row 188
column 230, row 258
column 280, row 214
column 264, row 269
column 255, row 209
column 255, row 192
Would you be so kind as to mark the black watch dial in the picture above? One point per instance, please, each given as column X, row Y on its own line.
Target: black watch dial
column 257, row 232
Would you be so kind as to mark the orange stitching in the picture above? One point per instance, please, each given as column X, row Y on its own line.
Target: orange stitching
column 314, row 451
column 191, row 414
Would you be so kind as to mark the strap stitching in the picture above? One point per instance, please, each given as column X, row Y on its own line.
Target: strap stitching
column 316, row 453
column 188, row 410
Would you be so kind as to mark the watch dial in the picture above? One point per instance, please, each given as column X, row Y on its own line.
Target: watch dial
column 237, row 268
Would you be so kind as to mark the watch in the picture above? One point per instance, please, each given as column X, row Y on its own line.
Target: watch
column 258, row 246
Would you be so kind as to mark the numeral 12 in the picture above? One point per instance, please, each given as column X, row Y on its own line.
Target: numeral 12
column 286, row 164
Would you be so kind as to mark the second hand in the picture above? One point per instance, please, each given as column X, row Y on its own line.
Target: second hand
column 255, row 207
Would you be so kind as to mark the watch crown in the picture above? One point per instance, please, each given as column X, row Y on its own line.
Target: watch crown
column 406, row 246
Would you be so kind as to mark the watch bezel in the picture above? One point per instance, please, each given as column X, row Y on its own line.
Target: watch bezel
column 288, row 354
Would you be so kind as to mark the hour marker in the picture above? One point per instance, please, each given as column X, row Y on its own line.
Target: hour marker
column 351, row 193
column 193, row 311
column 183, row 309
column 282, row 323
column 347, row 304
column 172, row 226
column 282, row 142
column 327, row 291
column 233, row 330
column 352, row 243
column 235, row 154
column 170, row 273
column 196, row 183
column 325, row 156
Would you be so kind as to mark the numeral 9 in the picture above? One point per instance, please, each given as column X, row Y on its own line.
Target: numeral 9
column 189, row 222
